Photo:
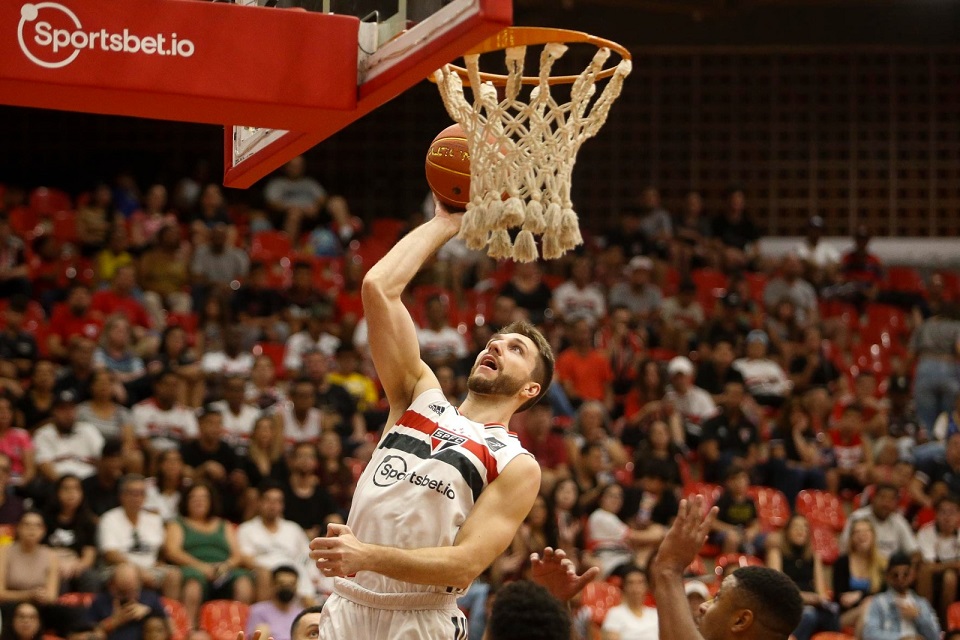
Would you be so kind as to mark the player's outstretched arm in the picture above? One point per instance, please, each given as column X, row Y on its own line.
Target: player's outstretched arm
column 676, row 552
column 485, row 534
column 393, row 336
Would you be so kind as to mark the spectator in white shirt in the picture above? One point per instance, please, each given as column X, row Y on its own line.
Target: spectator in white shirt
column 313, row 337
column 765, row 380
column 65, row 445
column 632, row 619
column 939, row 543
column 694, row 404
column 233, row 360
column 160, row 422
column 238, row 416
column 579, row 296
column 299, row 417
column 820, row 258
column 440, row 344
column 273, row 541
column 893, row 530
column 129, row 534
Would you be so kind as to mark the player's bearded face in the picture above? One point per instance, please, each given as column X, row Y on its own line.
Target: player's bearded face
column 502, row 384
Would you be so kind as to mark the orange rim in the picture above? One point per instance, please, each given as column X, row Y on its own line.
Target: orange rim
column 526, row 36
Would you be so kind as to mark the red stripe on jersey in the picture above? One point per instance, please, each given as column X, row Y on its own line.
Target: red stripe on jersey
column 413, row 420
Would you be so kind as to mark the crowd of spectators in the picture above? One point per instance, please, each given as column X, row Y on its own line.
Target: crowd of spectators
column 187, row 398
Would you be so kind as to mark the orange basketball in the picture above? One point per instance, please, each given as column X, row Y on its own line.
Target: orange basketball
column 448, row 168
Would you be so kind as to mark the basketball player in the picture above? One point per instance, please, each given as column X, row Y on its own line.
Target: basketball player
column 753, row 603
column 447, row 487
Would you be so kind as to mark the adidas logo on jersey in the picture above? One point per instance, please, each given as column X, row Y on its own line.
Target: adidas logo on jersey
column 437, row 409
column 494, row 444
column 442, row 439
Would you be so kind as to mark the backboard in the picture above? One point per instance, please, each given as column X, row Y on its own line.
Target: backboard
column 399, row 43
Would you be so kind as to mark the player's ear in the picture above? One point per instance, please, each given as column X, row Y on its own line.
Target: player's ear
column 531, row 390
column 742, row 620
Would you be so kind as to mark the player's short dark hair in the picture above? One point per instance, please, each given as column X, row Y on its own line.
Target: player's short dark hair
column 543, row 371
column 523, row 610
column 293, row 625
column 776, row 598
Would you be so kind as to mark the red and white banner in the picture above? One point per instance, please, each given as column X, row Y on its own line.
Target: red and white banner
column 178, row 60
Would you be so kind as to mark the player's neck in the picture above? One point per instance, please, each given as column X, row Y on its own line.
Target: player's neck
column 487, row 409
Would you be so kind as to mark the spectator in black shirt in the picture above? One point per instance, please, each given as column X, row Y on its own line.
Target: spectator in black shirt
column 730, row 437
column 71, row 532
column 18, row 349
column 305, row 501
column 652, row 498
column 334, row 400
column 36, row 405
column 937, row 478
column 728, row 324
column 213, row 460
column 737, row 527
column 735, row 233
column 79, row 372
column 795, row 460
column 714, row 373
column 528, row 289
column 258, row 307
column 813, row 374
column 101, row 488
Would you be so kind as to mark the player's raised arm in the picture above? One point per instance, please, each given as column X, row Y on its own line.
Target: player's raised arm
column 393, row 336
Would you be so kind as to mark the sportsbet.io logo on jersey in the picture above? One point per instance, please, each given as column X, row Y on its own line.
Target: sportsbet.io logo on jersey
column 52, row 36
column 393, row 469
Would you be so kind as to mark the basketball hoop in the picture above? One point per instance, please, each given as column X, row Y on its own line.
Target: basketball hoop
column 522, row 153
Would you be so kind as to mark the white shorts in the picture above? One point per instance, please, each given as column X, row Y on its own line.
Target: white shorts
column 355, row 613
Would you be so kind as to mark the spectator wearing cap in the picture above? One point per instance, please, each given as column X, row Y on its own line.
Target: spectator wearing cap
column 637, row 293
column 315, row 335
column 102, row 488
column 697, row 593
column 583, row 370
column 820, row 258
column 892, row 530
column 579, row 295
column 682, row 317
column 161, row 422
column 729, row 437
column 13, row 264
column 440, row 344
column 66, row 445
column 899, row 613
column 765, row 380
column 694, row 404
column 790, row 285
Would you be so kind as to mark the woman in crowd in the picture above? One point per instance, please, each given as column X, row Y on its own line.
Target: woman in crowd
column 176, row 355
column 657, row 446
column 562, row 503
column 23, row 623
column 36, row 405
column 643, row 402
column 213, row 319
column 591, row 426
column 205, row 547
column 612, row 541
column 164, row 491
column 262, row 389
column 796, row 458
column 334, row 472
column 632, row 619
column 536, row 532
column 858, row 575
column 115, row 352
column 265, row 454
column 70, row 533
column 798, row 560
column 16, row 444
column 112, row 419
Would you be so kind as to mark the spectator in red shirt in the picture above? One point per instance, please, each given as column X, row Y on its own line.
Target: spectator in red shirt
column 851, row 451
column 537, row 436
column 71, row 319
column 859, row 265
column 584, row 371
column 119, row 298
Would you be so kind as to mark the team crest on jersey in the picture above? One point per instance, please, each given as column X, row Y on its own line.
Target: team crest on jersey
column 437, row 409
column 494, row 444
column 442, row 439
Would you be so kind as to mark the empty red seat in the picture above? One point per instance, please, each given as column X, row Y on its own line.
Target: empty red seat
column 821, row 509
column 737, row 560
column 178, row 618
column 772, row 507
column 600, row 597
column 223, row 618
column 45, row 201
column 270, row 246
column 825, row 543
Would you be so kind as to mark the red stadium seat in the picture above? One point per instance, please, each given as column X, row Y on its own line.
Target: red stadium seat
column 45, row 201
column 710, row 492
column 772, row 507
column 387, row 229
column 821, row 509
column 274, row 351
column 737, row 559
column 600, row 597
column 831, row 635
column 905, row 280
column 825, row 543
column 953, row 616
column 65, row 226
column 178, row 618
column 222, row 618
column 270, row 246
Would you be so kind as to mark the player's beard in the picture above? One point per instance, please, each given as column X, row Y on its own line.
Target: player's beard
column 500, row 385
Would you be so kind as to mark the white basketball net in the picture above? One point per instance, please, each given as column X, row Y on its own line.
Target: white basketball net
column 522, row 154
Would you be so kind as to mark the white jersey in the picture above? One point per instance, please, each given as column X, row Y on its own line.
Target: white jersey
column 423, row 481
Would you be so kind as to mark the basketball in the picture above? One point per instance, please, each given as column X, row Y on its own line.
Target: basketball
column 448, row 168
